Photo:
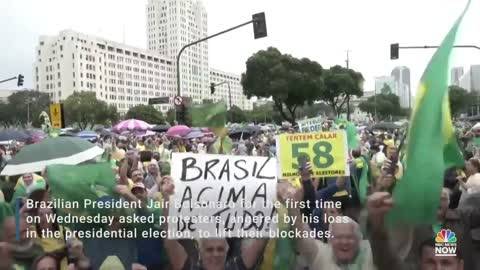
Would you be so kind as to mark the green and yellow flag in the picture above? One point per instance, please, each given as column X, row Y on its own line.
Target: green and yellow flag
column 431, row 142
column 77, row 183
column 213, row 116
column 351, row 130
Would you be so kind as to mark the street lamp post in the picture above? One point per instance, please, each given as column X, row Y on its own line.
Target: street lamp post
column 395, row 47
column 29, row 101
column 260, row 31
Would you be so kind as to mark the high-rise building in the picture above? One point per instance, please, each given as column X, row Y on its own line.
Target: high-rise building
column 401, row 77
column 172, row 24
column 120, row 75
column 455, row 74
column 229, row 87
column 126, row 76
column 383, row 81
column 471, row 79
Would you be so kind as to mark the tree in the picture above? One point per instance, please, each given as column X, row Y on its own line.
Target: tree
column 460, row 99
column 385, row 106
column 340, row 85
column 289, row 81
column 386, row 89
column 171, row 116
column 236, row 115
column 26, row 105
column 263, row 114
column 84, row 109
column 315, row 110
column 5, row 115
column 145, row 113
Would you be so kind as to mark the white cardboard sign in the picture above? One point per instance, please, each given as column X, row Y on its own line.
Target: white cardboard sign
column 220, row 196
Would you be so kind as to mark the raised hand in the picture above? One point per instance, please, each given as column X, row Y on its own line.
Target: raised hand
column 379, row 203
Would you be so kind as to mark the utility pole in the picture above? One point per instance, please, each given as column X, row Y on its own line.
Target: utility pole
column 347, row 61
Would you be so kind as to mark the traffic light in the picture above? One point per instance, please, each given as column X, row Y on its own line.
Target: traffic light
column 394, row 51
column 212, row 88
column 259, row 25
column 20, row 80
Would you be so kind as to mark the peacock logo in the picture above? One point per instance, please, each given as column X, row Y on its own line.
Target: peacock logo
column 445, row 243
column 445, row 236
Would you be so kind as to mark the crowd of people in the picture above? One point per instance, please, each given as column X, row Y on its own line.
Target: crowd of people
column 361, row 241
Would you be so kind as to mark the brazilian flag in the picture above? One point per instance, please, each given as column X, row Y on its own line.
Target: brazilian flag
column 432, row 146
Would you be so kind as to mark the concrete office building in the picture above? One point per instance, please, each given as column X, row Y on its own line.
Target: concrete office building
column 120, row 75
column 171, row 24
column 401, row 76
column 126, row 76
column 226, row 80
column 455, row 74
column 471, row 79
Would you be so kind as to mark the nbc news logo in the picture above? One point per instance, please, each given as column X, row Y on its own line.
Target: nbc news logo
column 445, row 243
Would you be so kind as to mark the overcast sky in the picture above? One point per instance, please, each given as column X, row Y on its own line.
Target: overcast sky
column 321, row 30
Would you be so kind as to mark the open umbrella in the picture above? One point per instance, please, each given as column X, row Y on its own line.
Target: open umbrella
column 35, row 135
column 144, row 133
column 194, row 134
column 104, row 132
column 161, row 128
column 179, row 130
column 132, row 124
column 243, row 133
column 61, row 150
column 386, row 126
column 87, row 134
column 13, row 134
column 34, row 132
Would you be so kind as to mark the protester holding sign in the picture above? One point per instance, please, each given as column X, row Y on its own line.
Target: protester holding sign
column 327, row 151
column 211, row 253
column 345, row 248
